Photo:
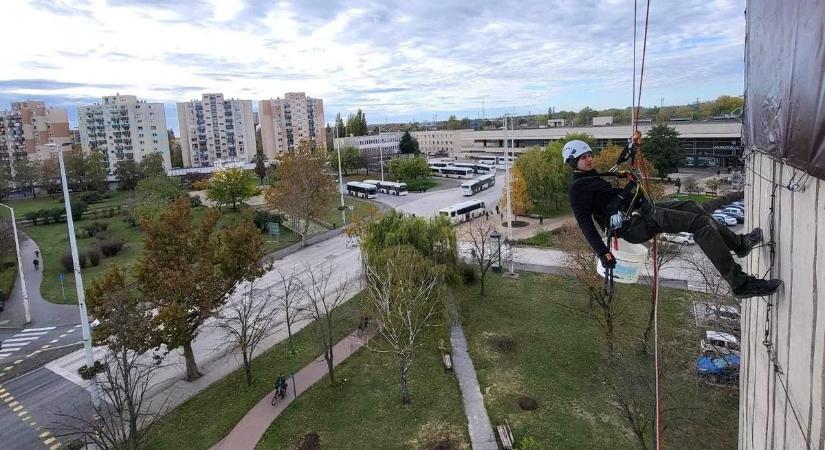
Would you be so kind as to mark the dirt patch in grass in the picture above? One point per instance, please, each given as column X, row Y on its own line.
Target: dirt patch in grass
column 435, row 436
column 310, row 441
column 504, row 344
column 528, row 403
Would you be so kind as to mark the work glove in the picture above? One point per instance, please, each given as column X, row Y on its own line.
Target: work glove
column 608, row 260
column 617, row 220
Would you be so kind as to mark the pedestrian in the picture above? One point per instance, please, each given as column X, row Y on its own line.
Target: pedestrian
column 36, row 253
column 718, row 172
column 497, row 210
column 632, row 217
column 541, row 219
column 36, row 264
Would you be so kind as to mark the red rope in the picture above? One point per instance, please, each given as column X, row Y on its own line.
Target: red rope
column 641, row 164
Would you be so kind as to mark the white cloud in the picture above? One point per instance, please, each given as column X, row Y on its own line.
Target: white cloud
column 397, row 59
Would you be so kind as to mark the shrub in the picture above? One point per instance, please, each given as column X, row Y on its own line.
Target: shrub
column 468, row 273
column 94, row 256
column 55, row 214
column 88, row 373
column 261, row 217
column 78, row 209
column 66, row 262
column 200, row 185
column 111, row 247
column 95, row 228
column 91, row 198
column 33, row 216
column 195, row 201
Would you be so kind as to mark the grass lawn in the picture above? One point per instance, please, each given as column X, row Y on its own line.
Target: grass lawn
column 366, row 412
column 361, row 208
column 22, row 206
column 8, row 277
column 550, row 213
column 545, row 239
column 525, row 345
column 54, row 242
column 206, row 418
column 698, row 198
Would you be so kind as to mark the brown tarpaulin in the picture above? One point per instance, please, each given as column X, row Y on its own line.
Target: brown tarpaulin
column 785, row 81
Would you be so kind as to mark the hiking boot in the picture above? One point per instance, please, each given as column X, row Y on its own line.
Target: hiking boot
column 757, row 287
column 749, row 241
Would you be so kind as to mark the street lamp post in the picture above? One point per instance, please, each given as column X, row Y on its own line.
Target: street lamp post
column 496, row 237
column 343, row 207
column 23, row 289
column 508, row 182
column 381, row 150
column 78, row 279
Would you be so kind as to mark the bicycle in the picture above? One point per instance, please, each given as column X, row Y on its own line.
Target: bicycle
column 280, row 393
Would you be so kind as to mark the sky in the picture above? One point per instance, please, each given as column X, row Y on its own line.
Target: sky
column 397, row 60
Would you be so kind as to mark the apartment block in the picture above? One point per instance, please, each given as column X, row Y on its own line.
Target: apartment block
column 215, row 130
column 285, row 122
column 27, row 127
column 124, row 128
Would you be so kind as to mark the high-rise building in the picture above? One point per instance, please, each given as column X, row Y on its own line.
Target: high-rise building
column 285, row 122
column 123, row 127
column 214, row 129
column 27, row 127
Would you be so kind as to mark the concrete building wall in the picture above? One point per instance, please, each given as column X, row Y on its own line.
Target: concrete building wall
column 214, row 129
column 373, row 146
column 122, row 127
column 286, row 122
column 783, row 337
column 440, row 141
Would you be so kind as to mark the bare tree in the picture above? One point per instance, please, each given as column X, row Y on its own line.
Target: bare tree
column 6, row 241
column 477, row 234
column 246, row 322
column 324, row 297
column 581, row 264
column 403, row 294
column 666, row 253
column 288, row 301
column 126, row 414
column 632, row 393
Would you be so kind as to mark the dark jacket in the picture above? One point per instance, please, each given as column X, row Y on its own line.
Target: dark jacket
column 590, row 198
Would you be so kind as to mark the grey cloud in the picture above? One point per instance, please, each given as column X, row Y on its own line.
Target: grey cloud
column 46, row 85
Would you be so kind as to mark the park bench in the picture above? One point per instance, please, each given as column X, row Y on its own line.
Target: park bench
column 447, row 361
column 505, row 436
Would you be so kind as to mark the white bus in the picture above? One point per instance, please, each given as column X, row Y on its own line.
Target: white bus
column 504, row 161
column 389, row 187
column 452, row 172
column 437, row 163
column 359, row 189
column 464, row 211
column 477, row 168
column 488, row 161
column 479, row 184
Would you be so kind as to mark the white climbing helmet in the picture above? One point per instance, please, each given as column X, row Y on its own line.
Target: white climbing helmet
column 574, row 149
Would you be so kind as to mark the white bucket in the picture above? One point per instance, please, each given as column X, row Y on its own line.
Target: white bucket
column 630, row 258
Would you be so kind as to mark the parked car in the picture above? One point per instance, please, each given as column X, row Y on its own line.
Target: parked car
column 727, row 316
column 724, row 219
column 736, row 207
column 684, row 238
column 723, row 369
column 718, row 343
column 733, row 212
column 739, row 203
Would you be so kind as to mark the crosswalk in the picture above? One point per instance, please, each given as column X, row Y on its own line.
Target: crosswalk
column 22, row 339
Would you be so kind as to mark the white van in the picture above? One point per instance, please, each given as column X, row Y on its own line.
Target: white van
column 718, row 343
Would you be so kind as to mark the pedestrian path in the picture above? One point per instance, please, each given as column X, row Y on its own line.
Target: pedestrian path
column 251, row 428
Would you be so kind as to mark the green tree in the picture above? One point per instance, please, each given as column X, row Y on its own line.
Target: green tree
column 231, row 186
column 76, row 169
column 452, row 123
column 188, row 269
column 25, row 175
column 662, row 148
column 349, row 159
column 408, row 144
column 408, row 169
column 153, row 194
column 304, row 187
column 339, row 124
column 49, row 176
column 5, row 180
column 357, row 124
column 175, row 151
column 152, row 166
column 260, row 166
column 96, row 172
column 128, row 175
column 585, row 116
column 434, row 238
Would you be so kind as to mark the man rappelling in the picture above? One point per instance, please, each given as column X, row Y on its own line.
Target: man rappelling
column 628, row 214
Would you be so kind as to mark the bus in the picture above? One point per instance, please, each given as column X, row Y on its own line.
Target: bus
column 479, row 184
column 437, row 163
column 488, row 161
column 503, row 161
column 389, row 187
column 464, row 211
column 359, row 189
column 477, row 168
column 452, row 172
